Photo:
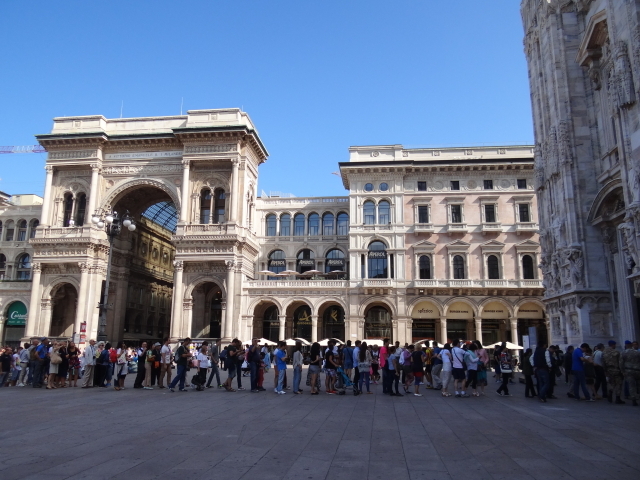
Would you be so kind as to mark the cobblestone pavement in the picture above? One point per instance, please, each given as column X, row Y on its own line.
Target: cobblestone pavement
column 100, row 433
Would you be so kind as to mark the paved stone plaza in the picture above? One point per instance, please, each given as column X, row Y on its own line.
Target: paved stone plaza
column 100, row 433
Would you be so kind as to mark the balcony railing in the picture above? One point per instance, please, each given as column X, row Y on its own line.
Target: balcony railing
column 491, row 227
column 298, row 284
column 423, row 228
column 212, row 229
column 378, row 282
column 480, row 283
column 457, row 228
column 526, row 227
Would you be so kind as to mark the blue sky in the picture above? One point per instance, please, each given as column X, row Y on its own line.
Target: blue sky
column 315, row 76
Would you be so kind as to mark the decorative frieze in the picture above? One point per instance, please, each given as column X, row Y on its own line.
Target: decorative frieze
column 63, row 155
column 143, row 169
column 218, row 148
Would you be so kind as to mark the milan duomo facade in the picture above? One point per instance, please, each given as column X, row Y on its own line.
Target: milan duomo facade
column 427, row 243
column 584, row 71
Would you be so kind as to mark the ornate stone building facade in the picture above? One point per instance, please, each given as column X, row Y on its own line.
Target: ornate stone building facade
column 428, row 243
column 584, row 73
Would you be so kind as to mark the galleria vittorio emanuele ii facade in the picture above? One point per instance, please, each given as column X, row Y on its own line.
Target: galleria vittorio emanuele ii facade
column 426, row 243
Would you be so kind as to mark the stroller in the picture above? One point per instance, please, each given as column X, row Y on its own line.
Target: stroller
column 343, row 382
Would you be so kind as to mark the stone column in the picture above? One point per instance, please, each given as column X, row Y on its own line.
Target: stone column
column 185, row 191
column 443, row 330
column 514, row 330
column 314, row 328
column 44, row 328
column 479, row 329
column 176, row 316
column 235, row 195
column 282, row 333
column 2, row 322
column 231, row 310
column 46, row 204
column 33, row 313
column 187, row 313
column 93, row 196
column 82, row 296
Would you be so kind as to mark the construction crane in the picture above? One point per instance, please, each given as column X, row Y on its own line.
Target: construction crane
column 23, row 149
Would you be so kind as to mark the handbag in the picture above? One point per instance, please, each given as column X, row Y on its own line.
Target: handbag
column 56, row 359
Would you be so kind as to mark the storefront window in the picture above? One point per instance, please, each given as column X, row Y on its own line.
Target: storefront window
column 335, row 261
column 277, row 262
column 333, row 321
column 271, row 324
column 302, row 324
column 306, row 261
column 377, row 323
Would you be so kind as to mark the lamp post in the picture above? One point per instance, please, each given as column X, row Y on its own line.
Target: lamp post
column 112, row 224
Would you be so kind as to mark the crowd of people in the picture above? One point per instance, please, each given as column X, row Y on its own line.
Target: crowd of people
column 461, row 369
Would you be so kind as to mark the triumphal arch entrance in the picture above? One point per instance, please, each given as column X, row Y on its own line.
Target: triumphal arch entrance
column 189, row 183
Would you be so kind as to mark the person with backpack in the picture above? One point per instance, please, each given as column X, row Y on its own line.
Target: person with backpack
column 459, row 369
column 506, row 368
column 182, row 361
column 215, row 361
column 417, row 368
column 347, row 363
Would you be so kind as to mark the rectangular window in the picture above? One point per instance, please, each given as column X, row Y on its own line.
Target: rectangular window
column 488, row 184
column 9, row 234
column 523, row 208
column 343, row 224
column 522, row 184
column 423, row 214
column 285, row 228
column 490, row 213
column 456, row 213
column 455, row 185
column 422, row 186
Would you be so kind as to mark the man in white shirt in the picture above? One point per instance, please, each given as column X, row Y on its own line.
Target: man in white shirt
column 458, row 369
column 165, row 363
column 89, row 356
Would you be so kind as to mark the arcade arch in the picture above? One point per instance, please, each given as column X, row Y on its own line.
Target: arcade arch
column 64, row 300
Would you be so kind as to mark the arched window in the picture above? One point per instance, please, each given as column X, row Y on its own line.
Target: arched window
column 285, row 225
column 458, row 267
column 68, row 210
column 205, row 205
column 271, row 324
column 22, row 230
column 327, row 224
column 425, row 267
column 272, row 223
column 0, row 230
column 377, row 260
column 305, row 261
column 277, row 261
column 3, row 266
column 377, row 323
column 24, row 267
column 314, row 224
column 32, row 228
column 343, row 223
column 369, row 212
column 81, row 209
column 298, row 225
column 10, row 230
column 527, row 267
column 219, row 205
column 334, row 261
column 384, row 217
column 333, row 322
column 493, row 270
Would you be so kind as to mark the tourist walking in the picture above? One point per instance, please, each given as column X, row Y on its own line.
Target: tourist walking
column 528, row 372
column 182, row 360
column 630, row 367
column 347, row 362
column 364, row 365
column 611, row 364
column 89, row 357
column 281, row 362
column 142, row 366
column 601, row 378
column 506, row 368
column 23, row 358
column 542, row 364
column 297, row 368
column 63, row 368
column 407, row 371
column 393, row 366
column 483, row 364
column 417, row 368
column 471, row 361
column 203, row 367
column 215, row 363
column 149, row 359
column 577, row 370
column 165, row 363
column 447, row 369
column 254, row 359
column 458, row 370
column 436, row 368
column 315, row 363
column 122, row 366
column 355, row 357
column 54, row 362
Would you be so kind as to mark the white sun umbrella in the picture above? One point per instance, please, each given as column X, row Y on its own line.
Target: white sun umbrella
column 374, row 341
column 291, row 342
column 262, row 341
column 510, row 346
column 289, row 272
column 429, row 343
column 311, row 272
column 304, row 342
column 266, row 272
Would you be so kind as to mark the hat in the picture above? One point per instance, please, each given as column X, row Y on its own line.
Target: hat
column 627, row 342
column 157, row 344
column 42, row 339
column 612, row 343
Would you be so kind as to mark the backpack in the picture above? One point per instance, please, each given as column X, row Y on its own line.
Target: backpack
column 33, row 354
column 224, row 354
column 113, row 355
column 178, row 354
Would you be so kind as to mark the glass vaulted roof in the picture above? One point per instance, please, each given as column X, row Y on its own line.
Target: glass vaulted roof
column 163, row 214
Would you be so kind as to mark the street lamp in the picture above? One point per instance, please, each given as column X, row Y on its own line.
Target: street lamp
column 112, row 224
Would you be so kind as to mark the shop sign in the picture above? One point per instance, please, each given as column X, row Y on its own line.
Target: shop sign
column 17, row 314
column 306, row 263
column 335, row 262
column 425, row 310
column 377, row 254
column 278, row 263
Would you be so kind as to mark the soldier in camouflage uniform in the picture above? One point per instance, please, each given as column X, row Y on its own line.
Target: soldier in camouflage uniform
column 611, row 363
column 630, row 366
